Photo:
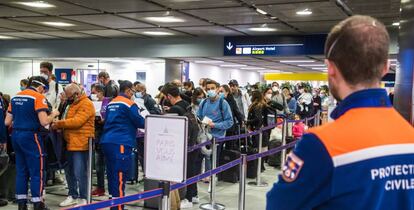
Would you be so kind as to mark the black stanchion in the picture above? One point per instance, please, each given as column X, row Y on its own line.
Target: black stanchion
column 89, row 181
column 242, row 183
column 258, row 182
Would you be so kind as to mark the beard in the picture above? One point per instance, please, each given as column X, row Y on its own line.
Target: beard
column 334, row 90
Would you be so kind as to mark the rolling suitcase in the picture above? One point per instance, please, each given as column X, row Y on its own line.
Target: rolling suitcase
column 133, row 171
column 252, row 165
column 232, row 174
column 274, row 160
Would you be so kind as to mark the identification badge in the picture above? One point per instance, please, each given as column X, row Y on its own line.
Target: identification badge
column 292, row 167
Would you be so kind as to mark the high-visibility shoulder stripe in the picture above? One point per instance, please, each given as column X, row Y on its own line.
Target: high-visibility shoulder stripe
column 362, row 128
column 119, row 102
column 372, row 152
column 24, row 96
column 121, row 99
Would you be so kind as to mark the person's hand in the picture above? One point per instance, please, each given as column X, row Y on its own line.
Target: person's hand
column 55, row 113
column 166, row 108
column 211, row 124
column 54, row 125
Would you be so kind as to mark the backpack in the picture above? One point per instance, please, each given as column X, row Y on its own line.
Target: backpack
column 193, row 125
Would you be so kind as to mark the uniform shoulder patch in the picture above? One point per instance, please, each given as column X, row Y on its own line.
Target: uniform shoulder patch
column 292, row 167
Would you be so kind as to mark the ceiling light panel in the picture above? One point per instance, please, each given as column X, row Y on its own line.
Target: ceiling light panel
column 165, row 19
column 36, row 4
column 233, row 65
column 304, row 12
column 262, row 29
column 157, row 33
column 58, row 24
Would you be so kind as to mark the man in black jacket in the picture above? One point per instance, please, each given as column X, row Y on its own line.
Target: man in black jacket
column 149, row 102
column 180, row 106
column 110, row 87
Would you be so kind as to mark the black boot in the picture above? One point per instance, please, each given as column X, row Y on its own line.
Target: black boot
column 22, row 206
column 40, row 206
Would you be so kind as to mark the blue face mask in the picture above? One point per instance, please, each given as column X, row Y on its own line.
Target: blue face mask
column 211, row 93
column 22, row 88
column 199, row 100
column 138, row 95
column 221, row 95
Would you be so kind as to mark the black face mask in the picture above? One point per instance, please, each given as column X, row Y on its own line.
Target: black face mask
column 71, row 100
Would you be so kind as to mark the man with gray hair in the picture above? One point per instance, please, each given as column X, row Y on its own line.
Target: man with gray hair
column 78, row 125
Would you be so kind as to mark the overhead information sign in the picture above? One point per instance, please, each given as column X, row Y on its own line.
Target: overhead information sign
column 274, row 45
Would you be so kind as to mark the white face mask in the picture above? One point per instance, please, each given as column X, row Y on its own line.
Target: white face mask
column 275, row 89
column 94, row 97
column 44, row 76
column 268, row 96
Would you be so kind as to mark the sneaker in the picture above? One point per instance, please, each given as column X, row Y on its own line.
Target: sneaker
column 81, row 202
column 98, row 192
column 195, row 200
column 68, row 202
column 59, row 179
column 185, row 204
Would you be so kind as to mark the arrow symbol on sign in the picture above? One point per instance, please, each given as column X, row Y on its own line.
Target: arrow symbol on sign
column 229, row 46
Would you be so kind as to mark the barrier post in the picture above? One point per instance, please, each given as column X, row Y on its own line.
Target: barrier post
column 258, row 182
column 284, row 134
column 242, row 183
column 212, row 205
column 319, row 118
column 165, row 202
column 89, row 181
column 306, row 121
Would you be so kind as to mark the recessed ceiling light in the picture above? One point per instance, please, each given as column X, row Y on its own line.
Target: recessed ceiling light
column 6, row 37
column 165, row 19
column 312, row 65
column 320, row 68
column 304, row 12
column 396, row 24
column 36, row 4
column 233, row 65
column 157, row 33
column 210, row 61
column 297, row 61
column 270, row 71
column 59, row 24
column 261, row 11
column 262, row 29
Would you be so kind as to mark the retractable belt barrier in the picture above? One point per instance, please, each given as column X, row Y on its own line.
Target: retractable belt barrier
column 158, row 192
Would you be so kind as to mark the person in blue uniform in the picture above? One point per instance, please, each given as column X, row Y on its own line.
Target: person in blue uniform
column 364, row 159
column 26, row 114
column 121, row 123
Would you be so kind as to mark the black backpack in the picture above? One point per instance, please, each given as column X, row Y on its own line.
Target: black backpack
column 193, row 125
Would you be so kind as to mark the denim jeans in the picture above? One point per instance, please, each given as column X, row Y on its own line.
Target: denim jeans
column 76, row 173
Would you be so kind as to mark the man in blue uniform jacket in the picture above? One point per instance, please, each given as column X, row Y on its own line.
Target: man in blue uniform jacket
column 364, row 159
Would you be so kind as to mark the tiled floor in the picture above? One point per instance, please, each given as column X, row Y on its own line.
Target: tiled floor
column 227, row 194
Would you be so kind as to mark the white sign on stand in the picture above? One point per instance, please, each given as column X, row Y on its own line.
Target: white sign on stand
column 166, row 148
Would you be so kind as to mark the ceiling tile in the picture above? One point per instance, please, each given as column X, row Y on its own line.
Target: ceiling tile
column 12, row 12
column 110, row 21
column 119, row 6
column 22, row 26
column 109, row 33
column 389, row 8
column 189, row 21
column 141, row 31
column 320, row 11
column 209, row 30
column 261, row 2
column 196, row 4
column 314, row 26
column 61, row 8
column 237, row 15
column 67, row 34
column 77, row 26
column 28, row 35
column 280, row 29
column 6, row 30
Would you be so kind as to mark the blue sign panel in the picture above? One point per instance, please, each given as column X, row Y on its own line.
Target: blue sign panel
column 274, row 45
column 63, row 76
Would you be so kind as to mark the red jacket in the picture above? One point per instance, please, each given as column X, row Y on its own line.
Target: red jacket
column 298, row 130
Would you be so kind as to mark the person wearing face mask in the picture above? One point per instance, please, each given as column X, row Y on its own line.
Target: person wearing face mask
column 23, row 84
column 111, row 89
column 149, row 103
column 52, row 95
column 279, row 98
column 27, row 113
column 78, row 125
column 241, row 97
column 119, row 137
column 215, row 112
column 238, row 118
column 304, row 103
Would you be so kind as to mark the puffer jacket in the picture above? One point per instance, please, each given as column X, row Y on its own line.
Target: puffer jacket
column 79, row 124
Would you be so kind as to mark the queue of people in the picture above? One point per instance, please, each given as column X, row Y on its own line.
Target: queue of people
column 68, row 115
